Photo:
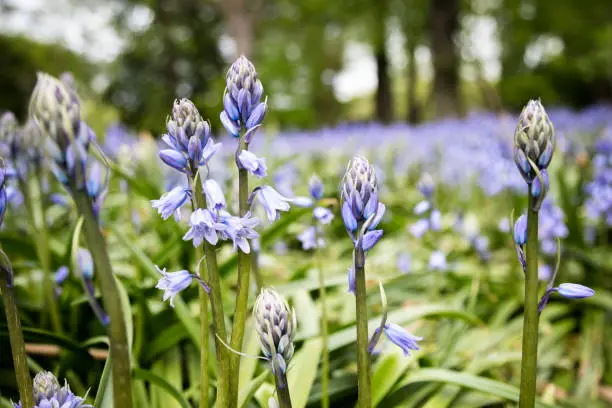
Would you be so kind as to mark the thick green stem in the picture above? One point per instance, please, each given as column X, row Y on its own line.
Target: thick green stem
column 324, row 329
column 203, row 348
column 363, row 358
column 282, row 389
column 216, row 304
column 24, row 382
column 529, row 360
column 38, row 230
column 242, row 288
column 119, row 348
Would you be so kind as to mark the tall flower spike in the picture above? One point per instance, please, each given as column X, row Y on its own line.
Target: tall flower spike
column 188, row 138
column 242, row 106
column 359, row 197
column 534, row 139
column 56, row 109
column 276, row 325
column 48, row 394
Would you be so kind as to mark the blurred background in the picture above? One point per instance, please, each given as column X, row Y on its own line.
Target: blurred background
column 321, row 62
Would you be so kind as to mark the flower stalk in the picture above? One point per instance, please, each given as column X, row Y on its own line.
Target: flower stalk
column 324, row 328
column 363, row 357
column 531, row 315
column 24, row 382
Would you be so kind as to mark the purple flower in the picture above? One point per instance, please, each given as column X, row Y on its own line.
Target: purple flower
column 215, row 200
column 520, row 230
column 422, row 207
column 536, row 185
column 426, row 185
column 315, row 187
column 239, row 229
column 323, row 215
column 347, row 216
column 203, row 227
column 437, row 261
column 273, row 202
column 85, row 263
column 173, row 282
column 419, row 228
column 309, row 240
column 435, row 220
column 544, row 272
column 504, row 225
column 574, row 291
column 255, row 165
column 370, row 239
column 61, row 274
column 171, row 202
column 175, row 159
column 209, row 151
column 398, row 336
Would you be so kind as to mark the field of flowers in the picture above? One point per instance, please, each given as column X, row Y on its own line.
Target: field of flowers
column 220, row 275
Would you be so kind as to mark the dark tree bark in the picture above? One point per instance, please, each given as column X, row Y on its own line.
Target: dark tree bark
column 443, row 25
column 414, row 111
column 239, row 22
column 384, row 99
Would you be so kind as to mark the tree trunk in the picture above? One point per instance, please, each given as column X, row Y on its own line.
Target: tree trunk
column 444, row 22
column 384, row 101
column 239, row 22
column 411, row 83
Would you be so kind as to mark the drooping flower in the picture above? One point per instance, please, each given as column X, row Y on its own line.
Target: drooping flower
column 239, row 230
column 215, row 200
column 398, row 336
column 255, row 165
column 203, row 226
column 272, row 201
column 171, row 202
column 173, row 282
column 574, row 291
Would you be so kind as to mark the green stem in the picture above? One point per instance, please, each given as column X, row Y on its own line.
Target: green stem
column 216, row 304
column 242, row 288
column 363, row 359
column 24, row 382
column 324, row 329
column 530, row 322
column 203, row 348
column 119, row 348
column 39, row 232
column 282, row 389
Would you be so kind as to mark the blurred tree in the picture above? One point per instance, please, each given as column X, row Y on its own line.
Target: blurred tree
column 559, row 50
column 21, row 58
column 443, row 26
column 384, row 101
column 239, row 16
column 175, row 56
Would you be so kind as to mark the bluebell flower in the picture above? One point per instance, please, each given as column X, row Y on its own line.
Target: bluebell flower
column 536, row 185
column 419, row 228
column 504, row 225
column 48, row 394
column 404, row 263
column 351, row 280
column 323, row 215
column 85, row 263
column 437, row 261
column 309, row 239
column 520, row 230
column 171, row 202
column 435, row 220
column 203, row 226
column 239, row 230
column 426, row 185
column 242, row 106
column 544, row 272
column 272, row 201
column 315, row 187
column 370, row 239
column 400, row 337
column 255, row 165
column 422, row 207
column 552, row 226
column 173, row 282
column 574, row 291
column 61, row 275
column 215, row 200
column 175, row 159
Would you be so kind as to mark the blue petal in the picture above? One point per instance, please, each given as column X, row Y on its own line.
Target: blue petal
column 575, row 291
column 228, row 124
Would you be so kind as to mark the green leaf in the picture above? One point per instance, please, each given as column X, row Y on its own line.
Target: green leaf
column 388, row 370
column 303, row 370
column 474, row 382
column 246, row 393
column 144, row 262
column 251, row 347
column 142, row 374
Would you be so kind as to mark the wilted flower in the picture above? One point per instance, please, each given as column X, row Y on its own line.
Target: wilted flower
column 276, row 326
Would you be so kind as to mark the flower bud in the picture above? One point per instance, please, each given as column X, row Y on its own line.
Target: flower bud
column 359, row 193
column 45, row 386
column 276, row 325
column 534, row 139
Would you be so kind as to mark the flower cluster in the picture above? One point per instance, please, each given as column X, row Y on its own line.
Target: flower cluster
column 242, row 106
column 276, row 326
column 56, row 109
column 431, row 216
column 311, row 236
column 598, row 204
column 48, row 394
